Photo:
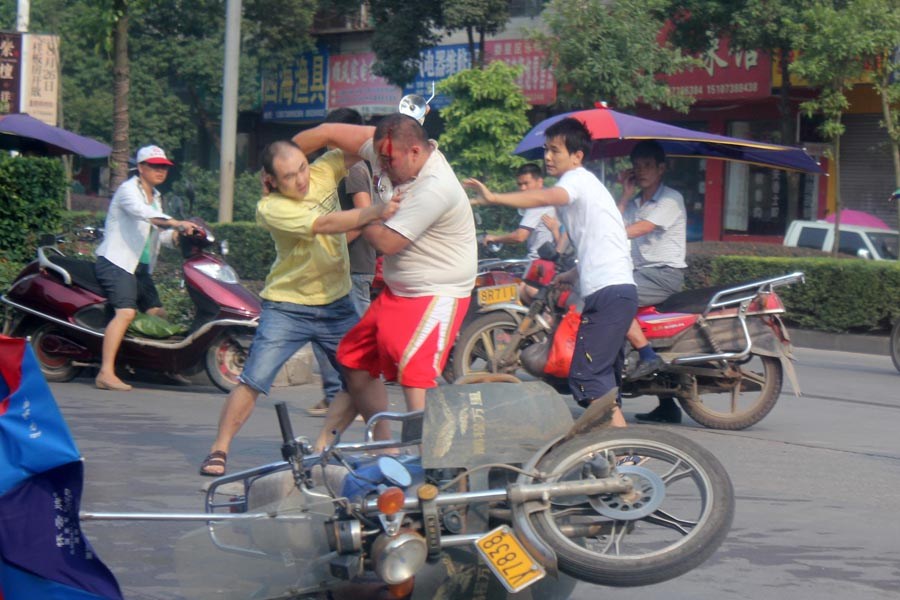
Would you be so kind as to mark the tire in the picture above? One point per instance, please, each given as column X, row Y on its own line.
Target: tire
column 726, row 407
column 55, row 368
column 224, row 361
column 656, row 543
column 478, row 343
column 895, row 345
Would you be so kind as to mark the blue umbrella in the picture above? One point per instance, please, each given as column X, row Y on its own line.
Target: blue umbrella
column 22, row 132
column 615, row 134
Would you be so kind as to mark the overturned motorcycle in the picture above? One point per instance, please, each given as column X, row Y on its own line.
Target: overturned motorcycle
column 501, row 493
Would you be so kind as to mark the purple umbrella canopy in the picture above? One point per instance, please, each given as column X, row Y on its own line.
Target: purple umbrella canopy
column 22, row 132
column 615, row 134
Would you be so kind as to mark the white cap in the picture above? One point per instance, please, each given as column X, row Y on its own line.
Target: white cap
column 153, row 155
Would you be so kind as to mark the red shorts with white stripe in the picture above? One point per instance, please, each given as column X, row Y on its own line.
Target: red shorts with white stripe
column 405, row 339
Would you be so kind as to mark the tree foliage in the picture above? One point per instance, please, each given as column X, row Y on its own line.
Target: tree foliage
column 482, row 17
column 482, row 125
column 402, row 30
column 609, row 51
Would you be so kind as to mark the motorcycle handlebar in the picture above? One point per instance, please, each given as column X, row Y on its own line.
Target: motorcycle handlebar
column 284, row 423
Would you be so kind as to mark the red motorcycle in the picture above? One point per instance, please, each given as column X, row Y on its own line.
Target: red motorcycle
column 726, row 347
column 57, row 301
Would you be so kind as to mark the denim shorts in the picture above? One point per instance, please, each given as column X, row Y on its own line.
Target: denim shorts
column 285, row 327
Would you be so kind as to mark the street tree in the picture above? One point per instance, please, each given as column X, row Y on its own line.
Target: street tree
column 611, row 51
column 486, row 118
column 834, row 46
column 402, row 30
column 481, row 17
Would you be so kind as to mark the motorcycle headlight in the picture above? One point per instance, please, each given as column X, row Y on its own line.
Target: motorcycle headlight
column 223, row 273
column 399, row 557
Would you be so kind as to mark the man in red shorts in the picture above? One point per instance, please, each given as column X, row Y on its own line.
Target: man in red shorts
column 429, row 267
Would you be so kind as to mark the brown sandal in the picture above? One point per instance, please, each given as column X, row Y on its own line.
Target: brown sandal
column 214, row 459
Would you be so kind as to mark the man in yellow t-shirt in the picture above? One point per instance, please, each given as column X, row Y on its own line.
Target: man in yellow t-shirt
column 306, row 295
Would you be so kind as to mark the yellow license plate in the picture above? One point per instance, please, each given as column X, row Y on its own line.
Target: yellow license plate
column 496, row 294
column 509, row 561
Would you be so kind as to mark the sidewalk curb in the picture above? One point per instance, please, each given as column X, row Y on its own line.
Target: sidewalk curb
column 842, row 342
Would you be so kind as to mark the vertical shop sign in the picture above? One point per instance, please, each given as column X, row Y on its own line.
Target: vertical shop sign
column 39, row 91
column 10, row 71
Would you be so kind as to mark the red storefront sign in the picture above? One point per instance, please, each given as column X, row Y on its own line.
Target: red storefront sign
column 537, row 81
column 727, row 74
column 352, row 83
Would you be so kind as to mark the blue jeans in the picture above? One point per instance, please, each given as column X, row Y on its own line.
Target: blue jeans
column 285, row 327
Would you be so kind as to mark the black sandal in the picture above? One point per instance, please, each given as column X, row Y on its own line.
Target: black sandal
column 214, row 459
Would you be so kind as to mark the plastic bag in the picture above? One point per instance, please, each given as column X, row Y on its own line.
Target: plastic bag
column 559, row 361
column 151, row 326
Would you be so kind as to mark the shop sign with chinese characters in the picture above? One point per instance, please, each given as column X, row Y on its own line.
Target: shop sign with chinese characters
column 40, row 77
column 726, row 74
column 350, row 81
column 10, row 71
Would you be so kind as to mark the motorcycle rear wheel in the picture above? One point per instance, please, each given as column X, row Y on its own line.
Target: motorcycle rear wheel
column 224, row 362
column 55, row 368
column 687, row 503
column 745, row 404
column 480, row 342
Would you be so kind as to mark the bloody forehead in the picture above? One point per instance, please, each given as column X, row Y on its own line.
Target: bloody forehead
column 386, row 144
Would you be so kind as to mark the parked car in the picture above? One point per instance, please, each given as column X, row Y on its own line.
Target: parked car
column 856, row 240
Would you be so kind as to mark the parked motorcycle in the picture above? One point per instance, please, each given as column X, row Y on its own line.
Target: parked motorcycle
column 508, row 496
column 57, row 301
column 726, row 347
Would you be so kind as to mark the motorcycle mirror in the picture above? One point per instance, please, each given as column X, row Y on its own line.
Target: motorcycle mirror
column 394, row 471
column 415, row 106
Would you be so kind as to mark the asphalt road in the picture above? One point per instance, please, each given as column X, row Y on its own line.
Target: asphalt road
column 817, row 481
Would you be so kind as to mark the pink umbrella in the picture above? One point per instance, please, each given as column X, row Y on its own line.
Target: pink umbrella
column 858, row 217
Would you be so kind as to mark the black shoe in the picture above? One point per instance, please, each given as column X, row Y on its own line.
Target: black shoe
column 645, row 368
column 661, row 414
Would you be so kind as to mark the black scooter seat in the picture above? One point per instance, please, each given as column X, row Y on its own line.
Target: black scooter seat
column 81, row 271
column 691, row 301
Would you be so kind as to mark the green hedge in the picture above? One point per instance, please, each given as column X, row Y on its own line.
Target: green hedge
column 32, row 199
column 251, row 250
column 839, row 295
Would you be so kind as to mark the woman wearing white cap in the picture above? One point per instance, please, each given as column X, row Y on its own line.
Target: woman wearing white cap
column 128, row 254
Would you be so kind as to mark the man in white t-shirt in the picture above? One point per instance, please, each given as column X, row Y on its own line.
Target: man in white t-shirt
column 604, row 271
column 532, row 229
column 430, row 260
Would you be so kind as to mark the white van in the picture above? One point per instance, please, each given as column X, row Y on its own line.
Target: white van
column 864, row 242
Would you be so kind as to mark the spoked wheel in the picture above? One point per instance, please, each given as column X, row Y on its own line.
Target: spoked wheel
column 480, row 344
column 55, row 367
column 739, row 399
column 225, row 360
column 677, row 515
column 895, row 345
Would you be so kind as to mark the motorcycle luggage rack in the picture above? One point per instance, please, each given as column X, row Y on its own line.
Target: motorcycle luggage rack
column 739, row 296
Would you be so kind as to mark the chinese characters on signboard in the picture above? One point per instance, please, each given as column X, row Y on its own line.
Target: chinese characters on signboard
column 40, row 77
column 351, row 83
column 10, row 63
column 726, row 74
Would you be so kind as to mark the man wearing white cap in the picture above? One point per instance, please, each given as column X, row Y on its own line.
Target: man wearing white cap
column 128, row 253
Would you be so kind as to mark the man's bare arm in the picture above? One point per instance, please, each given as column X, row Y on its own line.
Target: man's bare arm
column 639, row 228
column 347, row 220
column 555, row 196
column 384, row 239
column 348, row 138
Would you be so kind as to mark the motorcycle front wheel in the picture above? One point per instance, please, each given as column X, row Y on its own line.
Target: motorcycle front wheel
column 480, row 343
column 679, row 512
column 224, row 361
column 739, row 402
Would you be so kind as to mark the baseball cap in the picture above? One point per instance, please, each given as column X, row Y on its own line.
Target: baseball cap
column 153, row 155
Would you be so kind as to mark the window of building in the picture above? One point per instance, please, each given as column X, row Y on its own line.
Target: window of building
column 760, row 200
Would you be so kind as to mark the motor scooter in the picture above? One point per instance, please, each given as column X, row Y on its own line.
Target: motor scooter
column 57, row 301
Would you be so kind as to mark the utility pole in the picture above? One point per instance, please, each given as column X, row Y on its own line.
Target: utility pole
column 23, row 12
column 229, row 109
